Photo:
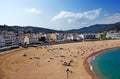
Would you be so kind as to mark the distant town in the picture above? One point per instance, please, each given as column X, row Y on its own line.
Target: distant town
column 11, row 39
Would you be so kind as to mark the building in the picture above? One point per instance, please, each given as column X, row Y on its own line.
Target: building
column 53, row 37
column 17, row 40
column 78, row 37
column 110, row 35
column 33, row 38
column 91, row 36
column 60, row 36
column 81, row 36
column 68, row 37
column 26, row 40
column 2, row 41
column 9, row 38
column 47, row 37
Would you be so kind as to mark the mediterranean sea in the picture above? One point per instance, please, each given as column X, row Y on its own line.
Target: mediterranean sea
column 106, row 65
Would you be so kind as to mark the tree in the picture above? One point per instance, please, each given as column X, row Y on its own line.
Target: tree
column 103, row 37
column 42, row 39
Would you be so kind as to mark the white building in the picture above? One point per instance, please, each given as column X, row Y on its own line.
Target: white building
column 113, row 35
column 80, row 37
column 74, row 37
column 77, row 37
column 69, row 38
column 26, row 40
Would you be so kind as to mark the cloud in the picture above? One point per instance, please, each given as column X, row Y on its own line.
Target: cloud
column 106, row 14
column 110, row 19
column 33, row 10
column 71, row 17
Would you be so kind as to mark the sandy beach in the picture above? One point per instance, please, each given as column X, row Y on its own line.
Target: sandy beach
column 51, row 62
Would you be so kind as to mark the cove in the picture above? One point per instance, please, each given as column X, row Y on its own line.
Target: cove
column 106, row 65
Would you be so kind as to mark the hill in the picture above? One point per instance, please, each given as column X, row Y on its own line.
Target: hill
column 115, row 26
column 96, row 28
column 27, row 29
column 5, row 28
column 91, row 29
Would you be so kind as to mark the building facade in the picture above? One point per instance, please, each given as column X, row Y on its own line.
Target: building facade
column 113, row 35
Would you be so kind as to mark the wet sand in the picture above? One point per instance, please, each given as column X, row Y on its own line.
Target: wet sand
column 52, row 62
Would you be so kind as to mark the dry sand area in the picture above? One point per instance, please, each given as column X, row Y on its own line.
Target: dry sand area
column 50, row 62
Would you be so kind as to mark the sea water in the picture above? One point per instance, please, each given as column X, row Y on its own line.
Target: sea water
column 106, row 65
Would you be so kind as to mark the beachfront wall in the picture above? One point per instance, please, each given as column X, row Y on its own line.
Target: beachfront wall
column 113, row 35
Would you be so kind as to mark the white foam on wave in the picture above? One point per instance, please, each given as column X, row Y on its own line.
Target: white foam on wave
column 90, row 61
column 91, row 67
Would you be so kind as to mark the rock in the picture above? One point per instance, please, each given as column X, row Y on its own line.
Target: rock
column 36, row 57
column 24, row 55
column 30, row 58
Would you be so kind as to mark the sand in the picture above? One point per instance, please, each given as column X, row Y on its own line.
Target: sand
column 53, row 61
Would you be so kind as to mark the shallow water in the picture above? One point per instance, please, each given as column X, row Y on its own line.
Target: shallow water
column 107, row 64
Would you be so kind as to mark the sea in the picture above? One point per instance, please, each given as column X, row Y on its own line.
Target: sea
column 106, row 65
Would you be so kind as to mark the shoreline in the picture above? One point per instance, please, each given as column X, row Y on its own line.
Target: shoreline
column 87, row 65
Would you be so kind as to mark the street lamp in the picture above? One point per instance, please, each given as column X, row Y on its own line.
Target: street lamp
column 68, row 72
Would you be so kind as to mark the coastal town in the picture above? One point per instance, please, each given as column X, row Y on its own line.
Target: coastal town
column 58, row 61
column 8, row 39
column 52, row 55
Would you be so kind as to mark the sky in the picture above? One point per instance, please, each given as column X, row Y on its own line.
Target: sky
column 59, row 14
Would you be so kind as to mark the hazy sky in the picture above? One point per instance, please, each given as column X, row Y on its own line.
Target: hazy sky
column 59, row 14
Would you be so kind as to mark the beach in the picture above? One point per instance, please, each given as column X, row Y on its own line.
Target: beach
column 51, row 62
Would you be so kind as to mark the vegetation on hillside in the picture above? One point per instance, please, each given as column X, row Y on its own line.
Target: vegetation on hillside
column 91, row 29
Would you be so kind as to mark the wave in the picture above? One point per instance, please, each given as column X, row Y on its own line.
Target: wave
column 90, row 62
